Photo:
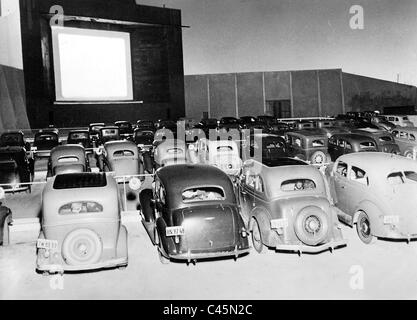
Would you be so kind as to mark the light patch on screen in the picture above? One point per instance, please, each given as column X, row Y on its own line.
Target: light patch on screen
column 92, row 65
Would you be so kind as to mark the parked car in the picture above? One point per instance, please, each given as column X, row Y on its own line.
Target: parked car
column 170, row 152
column 286, row 206
column 228, row 123
column 14, row 139
column 94, row 131
column 308, row 145
column 16, row 170
column 265, row 145
column 44, row 142
column 223, row 154
column 81, row 224
column 384, row 140
column 192, row 213
column 108, row 133
column 81, row 137
column 122, row 158
column 5, row 216
column 69, row 158
column 168, row 125
column 125, row 129
column 382, row 123
column 143, row 138
column 145, row 125
column 405, row 138
column 399, row 121
column 207, row 125
column 340, row 144
column 330, row 127
column 376, row 191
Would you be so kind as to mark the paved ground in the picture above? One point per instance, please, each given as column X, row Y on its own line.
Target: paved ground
column 387, row 270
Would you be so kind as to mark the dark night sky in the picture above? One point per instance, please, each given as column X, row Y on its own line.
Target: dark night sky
column 266, row 35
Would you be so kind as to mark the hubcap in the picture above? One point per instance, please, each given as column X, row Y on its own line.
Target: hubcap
column 312, row 224
column 365, row 230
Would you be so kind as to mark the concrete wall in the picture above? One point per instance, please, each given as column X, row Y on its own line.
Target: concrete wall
column 364, row 93
column 312, row 93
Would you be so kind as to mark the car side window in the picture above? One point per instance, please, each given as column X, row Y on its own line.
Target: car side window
column 341, row 169
column 412, row 137
column 254, row 182
column 358, row 175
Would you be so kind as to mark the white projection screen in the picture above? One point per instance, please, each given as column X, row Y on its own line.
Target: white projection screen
column 91, row 65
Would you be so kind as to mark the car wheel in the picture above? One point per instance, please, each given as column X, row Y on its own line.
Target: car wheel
column 363, row 227
column 408, row 154
column 257, row 237
column 311, row 226
column 318, row 157
column 82, row 247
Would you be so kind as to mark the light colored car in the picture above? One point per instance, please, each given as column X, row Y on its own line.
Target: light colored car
column 81, row 224
column 169, row 152
column 405, row 138
column 122, row 158
column 400, row 121
column 377, row 192
column 286, row 206
column 69, row 158
column 308, row 145
column 223, row 154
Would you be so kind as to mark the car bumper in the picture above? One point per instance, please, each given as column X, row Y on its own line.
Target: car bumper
column 189, row 256
column 311, row 249
column 58, row 268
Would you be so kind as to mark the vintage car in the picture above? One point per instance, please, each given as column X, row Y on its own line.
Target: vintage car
column 14, row 139
column 399, row 121
column 108, row 133
column 145, row 125
column 405, row 138
column 384, row 140
column 286, row 205
column 192, row 213
column 44, row 142
column 223, row 154
column 81, row 224
column 340, row 144
column 16, row 169
column 143, row 138
column 376, row 191
column 94, row 131
column 330, row 127
column 207, row 125
column 167, row 125
column 228, row 123
column 382, row 123
column 125, row 129
column 69, row 158
column 266, row 145
column 308, row 145
column 122, row 158
column 169, row 152
column 81, row 137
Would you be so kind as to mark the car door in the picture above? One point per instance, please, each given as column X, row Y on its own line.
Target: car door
column 355, row 187
column 339, row 173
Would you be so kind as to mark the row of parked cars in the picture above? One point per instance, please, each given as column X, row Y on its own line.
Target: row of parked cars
column 209, row 197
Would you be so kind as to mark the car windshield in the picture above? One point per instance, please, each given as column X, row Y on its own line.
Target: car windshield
column 46, row 137
column 79, row 136
column 123, row 153
column 11, row 139
column 203, row 194
column 298, row 185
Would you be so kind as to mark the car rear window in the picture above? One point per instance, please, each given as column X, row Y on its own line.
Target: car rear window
column 203, row 194
column 110, row 132
column 68, row 159
column 79, row 135
column 318, row 143
column 79, row 180
column 123, row 153
column 224, row 149
column 298, row 185
column 175, row 150
column 385, row 139
column 367, row 144
column 80, row 207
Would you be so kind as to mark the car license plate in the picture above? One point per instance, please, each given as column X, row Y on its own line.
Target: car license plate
column 391, row 219
column 279, row 223
column 175, row 231
column 47, row 244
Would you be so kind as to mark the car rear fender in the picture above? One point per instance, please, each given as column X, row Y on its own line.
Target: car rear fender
column 262, row 217
column 373, row 212
column 165, row 243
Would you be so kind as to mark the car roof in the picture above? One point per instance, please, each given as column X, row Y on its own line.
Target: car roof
column 112, row 146
column 282, row 162
column 80, row 180
column 377, row 161
column 353, row 136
